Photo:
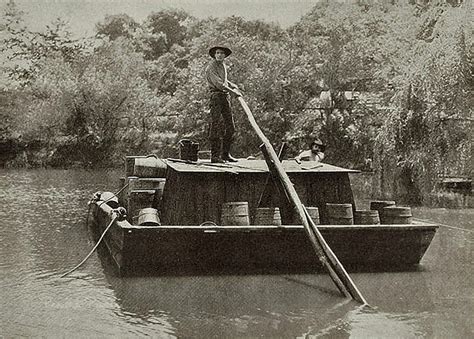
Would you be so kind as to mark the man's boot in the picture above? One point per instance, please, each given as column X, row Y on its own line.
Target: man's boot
column 225, row 151
column 216, row 151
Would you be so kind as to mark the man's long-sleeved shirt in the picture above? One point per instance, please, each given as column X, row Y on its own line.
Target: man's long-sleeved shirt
column 310, row 156
column 216, row 76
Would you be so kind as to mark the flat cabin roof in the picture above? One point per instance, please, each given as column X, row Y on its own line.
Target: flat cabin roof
column 254, row 166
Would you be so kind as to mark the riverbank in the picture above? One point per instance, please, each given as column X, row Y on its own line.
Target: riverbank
column 69, row 155
column 66, row 152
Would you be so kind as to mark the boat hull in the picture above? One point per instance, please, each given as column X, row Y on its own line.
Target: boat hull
column 181, row 250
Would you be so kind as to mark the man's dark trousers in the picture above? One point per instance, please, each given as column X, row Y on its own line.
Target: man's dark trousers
column 222, row 125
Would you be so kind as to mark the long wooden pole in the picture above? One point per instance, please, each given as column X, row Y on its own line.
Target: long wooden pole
column 334, row 261
column 267, row 179
column 325, row 255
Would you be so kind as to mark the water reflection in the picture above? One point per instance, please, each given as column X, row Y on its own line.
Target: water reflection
column 224, row 306
column 369, row 323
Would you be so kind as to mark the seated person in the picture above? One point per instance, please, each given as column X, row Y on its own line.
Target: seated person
column 315, row 152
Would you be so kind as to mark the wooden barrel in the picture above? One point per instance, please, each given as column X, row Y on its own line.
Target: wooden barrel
column 235, row 214
column 314, row 214
column 397, row 215
column 267, row 216
column 148, row 217
column 366, row 217
column 340, row 214
column 379, row 205
column 264, row 216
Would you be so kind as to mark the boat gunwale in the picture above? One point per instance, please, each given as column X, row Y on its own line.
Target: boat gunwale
column 386, row 227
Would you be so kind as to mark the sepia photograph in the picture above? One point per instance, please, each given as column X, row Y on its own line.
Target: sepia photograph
column 236, row 169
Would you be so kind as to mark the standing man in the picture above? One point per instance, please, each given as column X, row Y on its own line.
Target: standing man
column 222, row 121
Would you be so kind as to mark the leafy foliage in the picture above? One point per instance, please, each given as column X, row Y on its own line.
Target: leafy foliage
column 115, row 26
column 372, row 79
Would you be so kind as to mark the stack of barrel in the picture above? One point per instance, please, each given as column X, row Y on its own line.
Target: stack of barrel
column 343, row 214
column 237, row 214
column 390, row 213
column 340, row 214
column 380, row 212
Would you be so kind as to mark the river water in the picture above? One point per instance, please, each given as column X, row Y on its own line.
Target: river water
column 44, row 234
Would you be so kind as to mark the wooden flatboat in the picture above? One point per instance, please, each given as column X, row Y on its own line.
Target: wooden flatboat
column 190, row 240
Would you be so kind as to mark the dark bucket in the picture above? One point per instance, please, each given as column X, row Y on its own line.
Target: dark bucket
column 148, row 217
column 366, row 217
column 188, row 150
column 397, row 215
column 235, row 214
column 340, row 214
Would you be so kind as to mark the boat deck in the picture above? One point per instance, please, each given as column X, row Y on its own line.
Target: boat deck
column 255, row 166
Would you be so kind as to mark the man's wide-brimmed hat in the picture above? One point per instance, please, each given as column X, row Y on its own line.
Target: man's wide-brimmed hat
column 212, row 51
column 319, row 143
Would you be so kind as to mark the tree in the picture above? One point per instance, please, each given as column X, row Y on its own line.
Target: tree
column 56, row 40
column 162, row 30
column 15, row 41
column 86, row 109
column 341, row 48
column 434, row 98
column 115, row 26
column 22, row 50
column 260, row 61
